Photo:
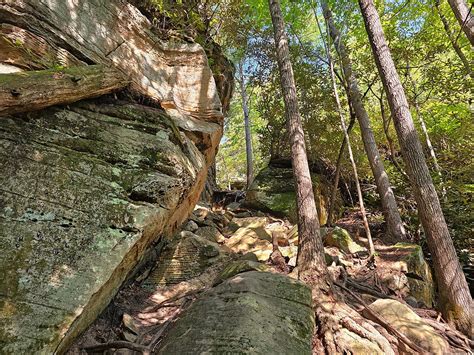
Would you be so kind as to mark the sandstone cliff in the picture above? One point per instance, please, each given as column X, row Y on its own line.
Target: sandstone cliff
column 86, row 188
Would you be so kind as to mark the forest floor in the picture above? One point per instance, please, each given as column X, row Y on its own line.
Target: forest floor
column 169, row 280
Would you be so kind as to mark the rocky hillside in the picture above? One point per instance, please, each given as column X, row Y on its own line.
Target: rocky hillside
column 226, row 283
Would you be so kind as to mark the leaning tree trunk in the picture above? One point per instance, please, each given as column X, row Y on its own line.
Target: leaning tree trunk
column 389, row 205
column 454, row 43
column 456, row 301
column 336, row 319
column 386, row 128
column 248, row 135
column 465, row 17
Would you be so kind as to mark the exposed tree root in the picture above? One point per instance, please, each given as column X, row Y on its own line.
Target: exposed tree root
column 344, row 331
column 341, row 329
column 387, row 326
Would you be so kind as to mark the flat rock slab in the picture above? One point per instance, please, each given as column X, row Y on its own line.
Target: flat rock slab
column 252, row 313
column 84, row 190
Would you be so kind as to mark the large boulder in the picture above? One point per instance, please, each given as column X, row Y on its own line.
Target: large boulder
column 273, row 191
column 84, row 194
column 251, row 313
column 86, row 188
column 407, row 322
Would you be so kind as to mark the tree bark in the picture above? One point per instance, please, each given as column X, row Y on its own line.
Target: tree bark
column 389, row 205
column 465, row 17
column 452, row 40
column 310, row 259
column 386, row 128
column 248, row 135
column 349, row 148
column 34, row 90
column 456, row 302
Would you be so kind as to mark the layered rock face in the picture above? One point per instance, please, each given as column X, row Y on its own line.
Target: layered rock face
column 86, row 188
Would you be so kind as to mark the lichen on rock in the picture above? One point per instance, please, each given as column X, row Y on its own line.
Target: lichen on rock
column 86, row 188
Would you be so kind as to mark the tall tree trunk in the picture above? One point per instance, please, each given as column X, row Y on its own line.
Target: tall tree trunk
column 465, row 17
column 248, row 135
column 349, row 148
column 333, row 316
column 453, row 41
column 389, row 205
column 456, row 301
column 310, row 247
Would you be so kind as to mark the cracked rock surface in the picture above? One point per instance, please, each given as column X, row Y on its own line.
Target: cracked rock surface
column 83, row 194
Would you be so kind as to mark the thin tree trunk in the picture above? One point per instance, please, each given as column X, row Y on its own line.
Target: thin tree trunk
column 337, row 173
column 34, row 90
column 349, row 148
column 248, row 136
column 465, row 17
column 389, row 205
column 310, row 258
column 456, row 302
column 455, row 45
column 431, row 150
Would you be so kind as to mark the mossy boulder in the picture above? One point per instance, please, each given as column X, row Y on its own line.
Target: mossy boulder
column 273, row 190
column 418, row 272
column 251, row 313
column 341, row 239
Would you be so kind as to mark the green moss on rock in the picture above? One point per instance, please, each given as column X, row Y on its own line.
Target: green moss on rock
column 420, row 277
column 273, row 191
column 341, row 239
column 240, row 266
